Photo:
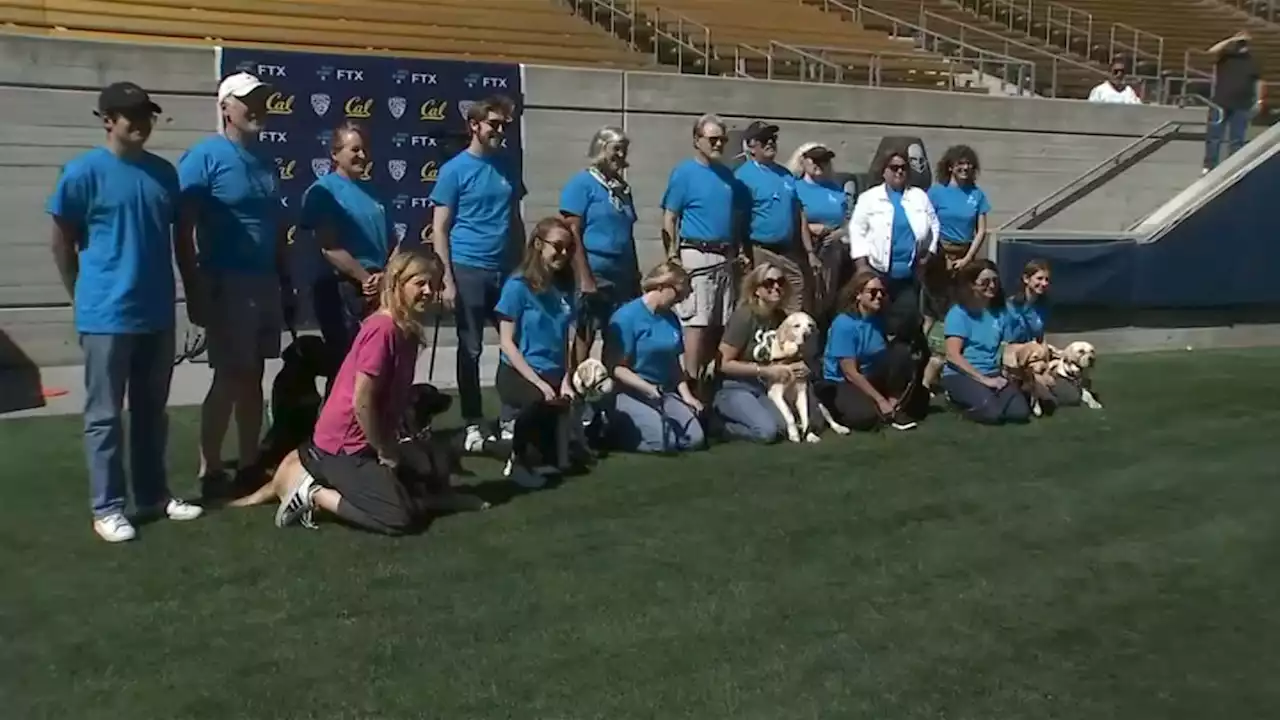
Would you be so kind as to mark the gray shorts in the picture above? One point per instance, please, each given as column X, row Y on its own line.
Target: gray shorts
column 711, row 296
column 245, row 320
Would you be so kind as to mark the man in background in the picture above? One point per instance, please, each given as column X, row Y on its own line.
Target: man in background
column 1114, row 90
column 1238, row 89
column 114, row 210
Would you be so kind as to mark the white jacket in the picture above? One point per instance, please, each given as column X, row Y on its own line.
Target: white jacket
column 871, row 226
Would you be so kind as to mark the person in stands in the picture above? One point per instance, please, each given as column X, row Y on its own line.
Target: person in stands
column 826, row 206
column 1114, row 90
column 894, row 231
column 656, row 410
column 535, row 330
column 476, row 225
column 598, row 208
column 351, row 228
column 1238, row 89
column 866, row 377
column 356, row 467
column 232, row 213
column 703, row 212
column 114, row 210
column 740, row 402
column 1025, row 315
column 777, row 232
column 974, row 329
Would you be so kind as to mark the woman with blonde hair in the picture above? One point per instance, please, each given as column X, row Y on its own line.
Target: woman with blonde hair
column 826, row 210
column 741, row 400
column 356, row 467
column 535, row 332
column 656, row 409
column 598, row 208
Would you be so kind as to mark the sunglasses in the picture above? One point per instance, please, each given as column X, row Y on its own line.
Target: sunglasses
column 772, row 283
column 768, row 140
column 716, row 139
column 874, row 292
column 896, row 167
column 984, row 282
column 496, row 125
column 1117, row 71
column 558, row 247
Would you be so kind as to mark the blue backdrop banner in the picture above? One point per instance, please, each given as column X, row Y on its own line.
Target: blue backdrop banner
column 414, row 110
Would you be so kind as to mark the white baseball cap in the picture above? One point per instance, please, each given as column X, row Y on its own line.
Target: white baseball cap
column 238, row 85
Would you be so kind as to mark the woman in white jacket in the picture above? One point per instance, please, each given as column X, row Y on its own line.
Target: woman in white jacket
column 894, row 231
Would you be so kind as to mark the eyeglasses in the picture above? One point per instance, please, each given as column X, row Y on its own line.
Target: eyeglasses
column 896, row 167
column 772, row 283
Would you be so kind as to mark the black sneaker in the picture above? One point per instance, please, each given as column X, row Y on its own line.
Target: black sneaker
column 901, row 421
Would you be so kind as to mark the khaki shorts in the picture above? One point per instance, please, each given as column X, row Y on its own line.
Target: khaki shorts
column 245, row 320
column 711, row 296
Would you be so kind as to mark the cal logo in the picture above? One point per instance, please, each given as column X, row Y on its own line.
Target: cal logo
column 433, row 110
column 425, row 235
column 287, row 169
column 358, row 107
column 279, row 104
column 430, row 171
column 293, row 231
column 368, row 172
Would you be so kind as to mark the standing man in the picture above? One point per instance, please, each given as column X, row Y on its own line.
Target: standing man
column 1239, row 90
column 777, row 232
column 113, row 212
column 702, row 212
column 1114, row 90
column 231, row 211
column 477, row 230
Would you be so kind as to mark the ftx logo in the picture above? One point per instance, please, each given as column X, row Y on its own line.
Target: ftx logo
column 263, row 70
column 492, row 82
column 414, row 78
column 406, row 140
column 273, row 136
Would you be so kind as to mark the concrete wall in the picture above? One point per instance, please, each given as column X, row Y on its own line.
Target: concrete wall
column 1028, row 147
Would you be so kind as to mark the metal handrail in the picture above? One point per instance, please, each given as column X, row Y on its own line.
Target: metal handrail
column 1135, row 51
column 740, row 62
column 1261, row 9
column 1055, row 58
column 1116, row 159
column 1026, row 69
column 612, row 12
column 679, row 37
column 1068, row 19
column 809, row 61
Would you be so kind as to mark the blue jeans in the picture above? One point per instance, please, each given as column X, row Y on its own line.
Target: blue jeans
column 983, row 405
column 140, row 365
column 1234, row 124
column 641, row 428
column 749, row 414
column 477, row 295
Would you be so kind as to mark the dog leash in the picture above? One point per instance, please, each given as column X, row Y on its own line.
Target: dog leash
column 435, row 344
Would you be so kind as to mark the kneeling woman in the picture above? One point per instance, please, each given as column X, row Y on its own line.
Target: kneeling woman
column 866, row 380
column 1025, row 317
column 656, row 411
column 535, row 324
column 356, row 467
column 974, row 329
column 741, row 401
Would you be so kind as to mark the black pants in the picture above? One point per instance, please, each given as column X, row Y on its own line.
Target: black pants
column 892, row 378
column 536, row 420
column 983, row 405
column 374, row 496
column 340, row 306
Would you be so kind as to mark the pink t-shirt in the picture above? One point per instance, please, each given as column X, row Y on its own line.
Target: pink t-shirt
column 384, row 353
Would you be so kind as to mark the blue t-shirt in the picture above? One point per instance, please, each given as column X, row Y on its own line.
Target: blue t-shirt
column 705, row 198
column 481, row 192
column 126, row 211
column 902, row 250
column 608, row 222
column 853, row 336
column 238, row 195
column 958, row 208
column 982, row 334
column 359, row 220
column 1023, row 321
column 772, row 191
column 824, row 202
column 542, row 323
column 649, row 343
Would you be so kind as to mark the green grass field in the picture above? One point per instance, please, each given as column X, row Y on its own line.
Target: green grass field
column 1115, row 564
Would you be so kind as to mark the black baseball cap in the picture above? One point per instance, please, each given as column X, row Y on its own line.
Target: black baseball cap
column 125, row 96
column 819, row 154
column 759, row 130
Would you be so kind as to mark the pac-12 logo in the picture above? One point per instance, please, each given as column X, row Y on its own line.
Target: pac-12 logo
column 320, row 103
column 321, row 166
column 401, row 231
column 358, row 107
column 464, row 108
column 397, row 168
column 279, row 104
column 433, row 110
column 397, row 106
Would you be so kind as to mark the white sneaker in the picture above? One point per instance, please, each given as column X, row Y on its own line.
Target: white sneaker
column 523, row 476
column 507, row 430
column 297, row 504
column 179, row 509
column 114, row 528
column 474, row 440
